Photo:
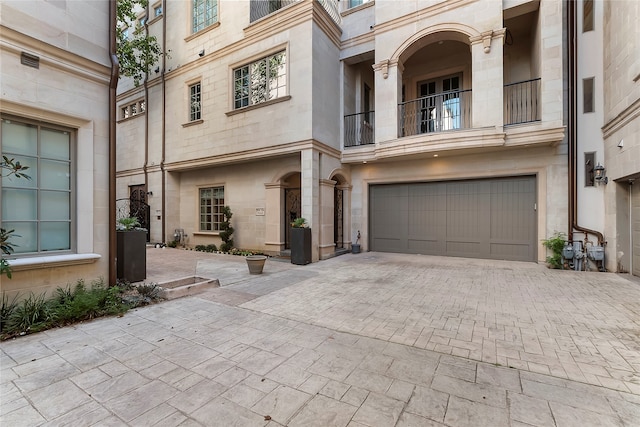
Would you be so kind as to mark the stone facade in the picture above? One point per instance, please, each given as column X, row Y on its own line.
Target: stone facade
column 382, row 53
column 55, row 73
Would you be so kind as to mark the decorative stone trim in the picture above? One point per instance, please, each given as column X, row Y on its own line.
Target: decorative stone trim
column 52, row 261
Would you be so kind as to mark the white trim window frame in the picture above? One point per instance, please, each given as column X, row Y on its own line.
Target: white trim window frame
column 41, row 209
column 211, row 202
column 195, row 101
column 204, row 13
column 260, row 81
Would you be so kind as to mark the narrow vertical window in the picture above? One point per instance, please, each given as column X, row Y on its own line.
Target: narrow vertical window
column 587, row 16
column 589, row 163
column 367, row 103
column 195, row 102
column 588, row 95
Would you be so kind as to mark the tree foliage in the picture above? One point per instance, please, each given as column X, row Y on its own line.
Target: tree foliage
column 9, row 167
column 137, row 51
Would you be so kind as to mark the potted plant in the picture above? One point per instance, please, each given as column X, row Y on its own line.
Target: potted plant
column 355, row 248
column 256, row 263
column 131, row 250
column 300, row 242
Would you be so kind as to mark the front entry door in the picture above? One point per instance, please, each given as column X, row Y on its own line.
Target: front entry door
column 337, row 218
column 292, row 210
column 138, row 206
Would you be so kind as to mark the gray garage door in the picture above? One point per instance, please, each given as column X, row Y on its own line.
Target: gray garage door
column 635, row 227
column 489, row 218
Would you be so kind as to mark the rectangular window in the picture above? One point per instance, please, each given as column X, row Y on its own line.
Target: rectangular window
column 157, row 11
column 204, row 13
column 354, row 3
column 195, row 102
column 260, row 81
column 133, row 109
column 589, row 163
column 38, row 209
column 587, row 16
column 211, row 204
column 587, row 95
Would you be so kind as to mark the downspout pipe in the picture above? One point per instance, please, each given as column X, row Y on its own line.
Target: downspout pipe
column 572, row 132
column 164, row 123
column 113, row 84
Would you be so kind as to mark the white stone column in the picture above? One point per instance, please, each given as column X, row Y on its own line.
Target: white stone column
column 274, row 202
column 487, row 80
column 388, row 88
column 309, row 186
column 327, row 196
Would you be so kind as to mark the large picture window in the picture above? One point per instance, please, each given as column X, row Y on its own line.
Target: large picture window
column 204, row 13
column 260, row 81
column 39, row 209
column 211, row 204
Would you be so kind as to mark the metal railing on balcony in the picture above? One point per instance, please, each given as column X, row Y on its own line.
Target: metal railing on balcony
column 359, row 129
column 435, row 113
column 261, row 8
column 522, row 102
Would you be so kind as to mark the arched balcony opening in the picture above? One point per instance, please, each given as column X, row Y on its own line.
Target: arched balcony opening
column 436, row 85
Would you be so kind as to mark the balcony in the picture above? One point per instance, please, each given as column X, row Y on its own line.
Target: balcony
column 435, row 113
column 359, row 129
column 261, row 8
column 521, row 102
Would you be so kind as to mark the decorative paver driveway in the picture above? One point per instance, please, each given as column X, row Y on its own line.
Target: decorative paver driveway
column 360, row 340
column 583, row 326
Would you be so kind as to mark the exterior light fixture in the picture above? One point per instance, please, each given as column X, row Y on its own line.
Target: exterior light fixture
column 201, row 53
column 599, row 174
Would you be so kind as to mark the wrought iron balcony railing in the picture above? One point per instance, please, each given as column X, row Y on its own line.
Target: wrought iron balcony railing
column 261, row 8
column 435, row 113
column 359, row 129
column 522, row 102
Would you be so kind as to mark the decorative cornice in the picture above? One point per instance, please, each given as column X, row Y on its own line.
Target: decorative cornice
column 632, row 112
column 251, row 155
column 55, row 57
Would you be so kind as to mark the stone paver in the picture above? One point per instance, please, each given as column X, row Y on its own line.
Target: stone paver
column 359, row 340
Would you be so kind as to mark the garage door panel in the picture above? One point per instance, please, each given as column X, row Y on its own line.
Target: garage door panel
column 493, row 218
column 424, row 246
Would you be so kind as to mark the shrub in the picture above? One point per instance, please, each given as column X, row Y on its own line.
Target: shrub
column 226, row 230
column 173, row 244
column 555, row 244
column 6, row 309
column 31, row 314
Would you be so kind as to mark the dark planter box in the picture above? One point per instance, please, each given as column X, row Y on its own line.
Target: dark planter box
column 132, row 255
column 300, row 246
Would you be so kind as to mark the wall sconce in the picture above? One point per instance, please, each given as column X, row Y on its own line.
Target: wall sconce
column 599, row 174
column 157, row 70
column 150, row 193
column 201, row 53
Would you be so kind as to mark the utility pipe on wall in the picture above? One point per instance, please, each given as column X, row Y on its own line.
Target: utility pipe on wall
column 113, row 84
column 572, row 134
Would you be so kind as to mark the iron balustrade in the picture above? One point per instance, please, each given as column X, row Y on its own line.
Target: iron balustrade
column 522, row 102
column 359, row 129
column 261, row 8
column 435, row 113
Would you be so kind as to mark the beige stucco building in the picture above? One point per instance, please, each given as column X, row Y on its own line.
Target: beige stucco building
column 54, row 102
column 432, row 127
